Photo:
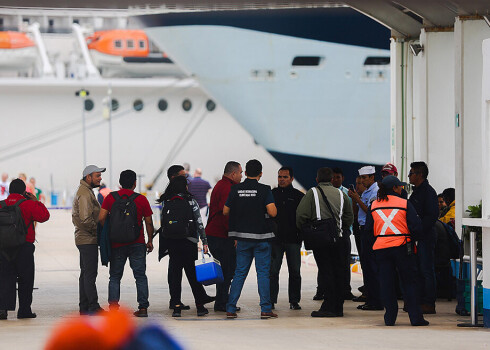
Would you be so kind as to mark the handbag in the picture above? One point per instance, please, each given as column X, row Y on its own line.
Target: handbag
column 208, row 270
column 321, row 232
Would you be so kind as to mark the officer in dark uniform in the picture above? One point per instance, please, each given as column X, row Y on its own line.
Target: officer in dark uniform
column 288, row 238
column 395, row 224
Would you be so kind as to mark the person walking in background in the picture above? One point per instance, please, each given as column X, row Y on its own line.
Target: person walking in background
column 4, row 187
column 395, row 225
column 85, row 215
column 37, row 191
column 103, row 192
column 128, row 207
column 249, row 205
column 288, row 238
column 181, row 229
column 199, row 189
column 29, row 187
column 424, row 199
column 17, row 265
column 368, row 260
column 328, row 202
column 222, row 246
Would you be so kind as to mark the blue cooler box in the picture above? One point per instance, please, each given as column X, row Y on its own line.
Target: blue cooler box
column 208, row 271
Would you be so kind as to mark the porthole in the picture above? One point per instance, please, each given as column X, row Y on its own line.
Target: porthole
column 114, row 105
column 138, row 105
column 210, row 105
column 162, row 105
column 89, row 105
column 186, row 105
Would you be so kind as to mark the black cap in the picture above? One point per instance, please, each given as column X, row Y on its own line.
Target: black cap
column 391, row 181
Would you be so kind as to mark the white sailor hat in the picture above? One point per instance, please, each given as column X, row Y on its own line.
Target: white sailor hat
column 367, row 170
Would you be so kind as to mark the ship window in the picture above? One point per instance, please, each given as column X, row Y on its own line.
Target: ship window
column 130, row 44
column 162, row 105
column 307, row 61
column 142, row 44
column 377, row 61
column 138, row 105
column 114, row 105
column 210, row 105
column 76, row 21
column 118, row 44
column 186, row 105
column 89, row 104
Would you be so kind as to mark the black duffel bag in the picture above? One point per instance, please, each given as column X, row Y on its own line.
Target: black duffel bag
column 321, row 232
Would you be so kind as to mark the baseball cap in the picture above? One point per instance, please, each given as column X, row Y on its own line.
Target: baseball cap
column 390, row 169
column 391, row 181
column 367, row 170
column 89, row 169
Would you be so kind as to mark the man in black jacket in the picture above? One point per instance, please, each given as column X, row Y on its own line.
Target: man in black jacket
column 424, row 199
column 287, row 239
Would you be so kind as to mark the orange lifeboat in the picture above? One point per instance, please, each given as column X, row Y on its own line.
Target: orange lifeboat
column 17, row 52
column 126, row 52
column 14, row 40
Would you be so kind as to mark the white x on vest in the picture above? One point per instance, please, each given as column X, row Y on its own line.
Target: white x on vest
column 388, row 222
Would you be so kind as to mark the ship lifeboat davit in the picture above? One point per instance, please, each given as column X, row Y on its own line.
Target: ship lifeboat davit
column 126, row 53
column 17, row 51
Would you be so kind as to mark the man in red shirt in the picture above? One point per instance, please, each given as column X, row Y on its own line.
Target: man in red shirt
column 222, row 247
column 134, row 251
column 21, row 268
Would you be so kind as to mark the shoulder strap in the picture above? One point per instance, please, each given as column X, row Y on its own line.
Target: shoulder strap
column 133, row 196
column 115, row 195
column 3, row 204
column 19, row 202
column 317, row 203
column 326, row 201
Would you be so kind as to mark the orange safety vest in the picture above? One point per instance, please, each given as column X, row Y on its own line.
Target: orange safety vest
column 390, row 222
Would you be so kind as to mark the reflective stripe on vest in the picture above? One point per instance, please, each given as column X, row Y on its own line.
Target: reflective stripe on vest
column 390, row 222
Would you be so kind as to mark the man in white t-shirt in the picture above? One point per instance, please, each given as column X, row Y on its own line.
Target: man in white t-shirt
column 4, row 187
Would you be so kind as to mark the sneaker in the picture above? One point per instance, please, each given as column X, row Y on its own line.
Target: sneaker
column 97, row 312
column 231, row 315
column 3, row 314
column 369, row 307
column 30, row 315
column 349, row 296
column 114, row 306
column 421, row 323
column 294, row 306
column 266, row 315
column 360, row 299
column 177, row 313
column 323, row 313
column 201, row 310
column 181, row 306
column 142, row 312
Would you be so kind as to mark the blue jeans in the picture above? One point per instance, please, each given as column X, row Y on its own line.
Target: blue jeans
column 137, row 261
column 425, row 258
column 246, row 251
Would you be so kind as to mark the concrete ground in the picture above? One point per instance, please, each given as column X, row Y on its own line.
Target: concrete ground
column 57, row 298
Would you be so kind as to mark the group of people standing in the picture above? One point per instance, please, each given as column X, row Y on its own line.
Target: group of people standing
column 249, row 221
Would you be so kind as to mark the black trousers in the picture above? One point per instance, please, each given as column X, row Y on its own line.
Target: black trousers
column 89, row 263
column 369, row 269
column 182, row 255
column 330, row 265
column 223, row 249
column 18, row 271
column 389, row 261
column 322, row 285
column 293, row 258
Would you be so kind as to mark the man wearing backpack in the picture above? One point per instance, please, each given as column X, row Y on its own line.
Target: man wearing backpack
column 127, row 211
column 17, row 260
column 84, row 216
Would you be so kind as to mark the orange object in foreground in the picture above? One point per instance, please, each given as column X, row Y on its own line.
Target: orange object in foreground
column 14, row 40
column 106, row 332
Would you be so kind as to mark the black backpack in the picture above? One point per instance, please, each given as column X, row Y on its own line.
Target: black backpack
column 125, row 227
column 13, row 230
column 453, row 240
column 177, row 219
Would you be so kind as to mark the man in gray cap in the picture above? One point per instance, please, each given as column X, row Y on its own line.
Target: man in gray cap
column 85, row 214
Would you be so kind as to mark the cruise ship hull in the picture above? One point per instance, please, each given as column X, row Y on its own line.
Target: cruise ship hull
column 309, row 102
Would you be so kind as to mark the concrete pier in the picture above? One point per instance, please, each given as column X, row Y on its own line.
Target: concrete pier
column 57, row 299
